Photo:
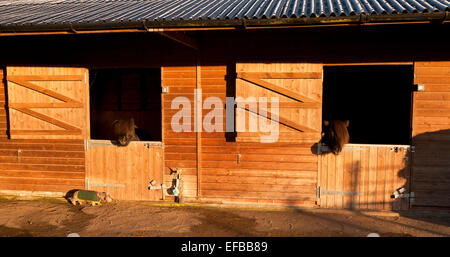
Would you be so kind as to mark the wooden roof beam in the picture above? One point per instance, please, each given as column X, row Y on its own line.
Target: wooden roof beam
column 181, row 38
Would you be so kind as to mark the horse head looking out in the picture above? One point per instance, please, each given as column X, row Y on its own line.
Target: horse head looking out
column 335, row 135
column 124, row 131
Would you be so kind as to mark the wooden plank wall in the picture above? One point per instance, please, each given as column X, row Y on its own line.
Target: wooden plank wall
column 273, row 173
column 431, row 135
column 41, row 165
column 300, row 99
column 37, row 164
column 179, row 148
column 364, row 178
column 126, row 170
column 48, row 102
column 269, row 173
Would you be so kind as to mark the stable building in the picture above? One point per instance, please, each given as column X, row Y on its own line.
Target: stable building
column 69, row 68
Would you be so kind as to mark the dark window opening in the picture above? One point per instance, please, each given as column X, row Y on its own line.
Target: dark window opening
column 375, row 99
column 123, row 94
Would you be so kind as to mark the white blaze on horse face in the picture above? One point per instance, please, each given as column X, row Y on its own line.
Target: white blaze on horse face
column 216, row 114
column 184, row 113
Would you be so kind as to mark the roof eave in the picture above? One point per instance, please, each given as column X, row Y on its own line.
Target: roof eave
column 146, row 25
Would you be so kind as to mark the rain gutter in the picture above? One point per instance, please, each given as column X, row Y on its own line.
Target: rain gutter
column 225, row 24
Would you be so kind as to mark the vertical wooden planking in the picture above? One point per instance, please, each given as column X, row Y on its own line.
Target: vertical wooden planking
column 130, row 172
column 408, row 177
column 114, row 171
column 389, row 183
column 324, row 180
column 120, row 170
column 319, row 183
column 146, row 173
column 348, row 179
column 86, row 104
column 405, row 177
column 339, row 180
column 372, row 178
column 127, row 170
column 158, row 167
column 380, row 178
column 141, row 169
column 365, row 178
column 396, row 205
column 356, row 178
column 331, row 202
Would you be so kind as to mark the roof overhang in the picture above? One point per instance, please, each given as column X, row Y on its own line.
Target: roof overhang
column 226, row 24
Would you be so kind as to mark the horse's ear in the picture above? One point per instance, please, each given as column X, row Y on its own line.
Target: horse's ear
column 347, row 122
column 326, row 123
column 132, row 123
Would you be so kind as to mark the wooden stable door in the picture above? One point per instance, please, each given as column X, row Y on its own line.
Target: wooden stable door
column 125, row 171
column 48, row 102
column 364, row 177
column 298, row 88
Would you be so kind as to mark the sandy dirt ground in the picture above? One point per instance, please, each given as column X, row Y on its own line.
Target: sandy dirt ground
column 45, row 217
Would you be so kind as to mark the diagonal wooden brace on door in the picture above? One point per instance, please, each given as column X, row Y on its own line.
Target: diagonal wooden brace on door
column 67, row 102
column 256, row 79
column 283, row 121
column 301, row 101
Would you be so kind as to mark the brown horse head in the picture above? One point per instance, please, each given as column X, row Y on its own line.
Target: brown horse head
column 335, row 134
column 124, row 131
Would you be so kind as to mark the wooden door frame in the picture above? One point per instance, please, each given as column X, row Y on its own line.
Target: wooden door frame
column 89, row 141
column 411, row 147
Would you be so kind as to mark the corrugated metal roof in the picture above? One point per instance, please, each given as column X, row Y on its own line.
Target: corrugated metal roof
column 38, row 12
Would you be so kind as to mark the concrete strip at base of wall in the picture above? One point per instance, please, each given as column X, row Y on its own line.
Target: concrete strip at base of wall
column 36, row 195
column 19, row 195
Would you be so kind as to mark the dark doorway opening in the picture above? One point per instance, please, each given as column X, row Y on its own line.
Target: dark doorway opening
column 375, row 99
column 122, row 94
